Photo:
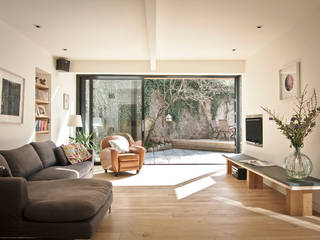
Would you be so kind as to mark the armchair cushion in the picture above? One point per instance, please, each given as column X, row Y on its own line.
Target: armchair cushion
column 128, row 157
column 121, row 144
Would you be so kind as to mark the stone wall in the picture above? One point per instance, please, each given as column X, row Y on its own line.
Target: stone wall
column 189, row 126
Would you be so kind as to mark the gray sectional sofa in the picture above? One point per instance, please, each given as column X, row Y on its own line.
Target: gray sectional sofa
column 45, row 197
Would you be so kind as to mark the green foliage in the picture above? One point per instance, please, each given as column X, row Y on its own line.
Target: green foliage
column 148, row 144
column 84, row 139
column 193, row 93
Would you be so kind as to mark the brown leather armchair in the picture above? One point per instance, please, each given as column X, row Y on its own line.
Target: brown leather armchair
column 121, row 162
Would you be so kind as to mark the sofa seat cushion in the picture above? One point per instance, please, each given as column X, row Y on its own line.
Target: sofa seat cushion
column 128, row 157
column 45, row 151
column 23, row 161
column 77, row 170
column 66, row 200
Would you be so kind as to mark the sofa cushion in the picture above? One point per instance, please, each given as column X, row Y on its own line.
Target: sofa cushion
column 77, row 170
column 45, row 152
column 76, row 153
column 22, row 161
column 61, row 156
column 4, row 164
column 66, row 200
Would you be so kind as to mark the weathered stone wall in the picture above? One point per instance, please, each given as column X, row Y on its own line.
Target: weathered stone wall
column 189, row 126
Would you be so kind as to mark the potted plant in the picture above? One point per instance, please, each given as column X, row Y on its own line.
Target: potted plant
column 300, row 125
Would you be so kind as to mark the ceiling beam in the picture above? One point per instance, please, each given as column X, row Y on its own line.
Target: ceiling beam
column 150, row 13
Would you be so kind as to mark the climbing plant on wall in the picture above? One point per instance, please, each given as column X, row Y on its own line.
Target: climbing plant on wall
column 180, row 94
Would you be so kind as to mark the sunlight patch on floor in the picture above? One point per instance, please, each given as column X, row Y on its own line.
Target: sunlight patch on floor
column 287, row 218
column 194, row 187
column 161, row 175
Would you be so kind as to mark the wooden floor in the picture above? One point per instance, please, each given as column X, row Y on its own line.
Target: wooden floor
column 220, row 207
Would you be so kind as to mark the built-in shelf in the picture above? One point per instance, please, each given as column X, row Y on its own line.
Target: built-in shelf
column 42, row 117
column 38, row 101
column 42, row 132
column 41, row 86
column 42, row 105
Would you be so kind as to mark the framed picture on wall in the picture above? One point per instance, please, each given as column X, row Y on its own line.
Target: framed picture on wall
column 11, row 97
column 66, row 101
column 289, row 79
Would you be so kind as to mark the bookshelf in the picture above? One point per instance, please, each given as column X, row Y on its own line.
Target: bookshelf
column 42, row 105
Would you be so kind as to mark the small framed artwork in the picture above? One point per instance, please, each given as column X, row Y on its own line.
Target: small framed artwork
column 289, row 79
column 66, row 101
column 41, row 111
column 11, row 97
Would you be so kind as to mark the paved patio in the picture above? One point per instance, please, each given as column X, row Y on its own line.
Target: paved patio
column 184, row 156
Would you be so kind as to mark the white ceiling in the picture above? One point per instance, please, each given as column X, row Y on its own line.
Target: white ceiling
column 182, row 30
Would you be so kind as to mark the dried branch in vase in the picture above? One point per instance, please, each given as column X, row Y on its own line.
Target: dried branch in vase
column 302, row 121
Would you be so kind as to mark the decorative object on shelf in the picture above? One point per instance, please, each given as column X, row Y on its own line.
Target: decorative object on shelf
column 66, row 101
column 41, row 111
column 297, row 164
column 11, row 97
column 43, row 81
column 289, row 79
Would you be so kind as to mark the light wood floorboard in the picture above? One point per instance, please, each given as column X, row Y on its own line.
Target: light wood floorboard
column 227, row 209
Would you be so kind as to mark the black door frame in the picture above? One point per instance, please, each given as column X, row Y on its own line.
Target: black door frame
column 81, row 96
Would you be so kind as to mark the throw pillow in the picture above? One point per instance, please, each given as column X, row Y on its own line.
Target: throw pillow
column 61, row 156
column 121, row 145
column 76, row 153
column 4, row 172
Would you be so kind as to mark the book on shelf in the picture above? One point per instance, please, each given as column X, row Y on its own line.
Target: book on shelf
column 41, row 125
column 42, row 95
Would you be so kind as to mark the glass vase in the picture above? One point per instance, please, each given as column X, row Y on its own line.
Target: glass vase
column 297, row 165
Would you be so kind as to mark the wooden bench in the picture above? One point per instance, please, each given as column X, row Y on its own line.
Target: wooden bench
column 204, row 144
column 298, row 193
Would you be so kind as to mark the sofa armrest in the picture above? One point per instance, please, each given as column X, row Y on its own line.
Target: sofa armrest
column 14, row 196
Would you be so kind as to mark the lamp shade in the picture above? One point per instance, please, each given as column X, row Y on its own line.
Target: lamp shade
column 168, row 118
column 75, row 121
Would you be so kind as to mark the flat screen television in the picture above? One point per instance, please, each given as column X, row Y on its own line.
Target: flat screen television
column 254, row 134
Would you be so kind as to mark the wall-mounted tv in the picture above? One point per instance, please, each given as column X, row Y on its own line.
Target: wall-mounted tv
column 254, row 133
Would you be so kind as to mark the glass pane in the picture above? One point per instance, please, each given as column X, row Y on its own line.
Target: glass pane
column 116, row 107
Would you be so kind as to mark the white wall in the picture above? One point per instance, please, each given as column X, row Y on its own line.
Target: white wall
column 21, row 56
column 261, row 88
column 163, row 67
column 64, row 83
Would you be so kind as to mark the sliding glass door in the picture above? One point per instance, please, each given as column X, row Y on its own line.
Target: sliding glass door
column 111, row 105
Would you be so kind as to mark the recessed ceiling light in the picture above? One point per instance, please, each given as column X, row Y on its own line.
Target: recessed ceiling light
column 259, row 26
column 234, row 49
column 37, row 26
column 64, row 49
